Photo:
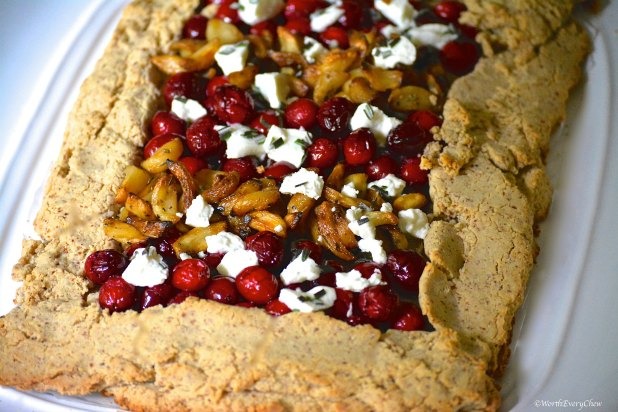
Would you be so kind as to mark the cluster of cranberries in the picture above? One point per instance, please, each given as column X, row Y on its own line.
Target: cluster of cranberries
column 333, row 142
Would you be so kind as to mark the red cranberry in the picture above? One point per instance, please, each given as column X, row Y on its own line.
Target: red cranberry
column 459, row 57
column 117, row 295
column 245, row 304
column 257, row 285
column 186, row 84
column 268, row 26
column 222, row 290
column 104, row 264
column 359, row 147
column 267, row 246
column 335, row 36
column 334, row 114
column 202, row 138
column 346, row 308
column 156, row 142
column 133, row 247
column 213, row 259
column 407, row 139
column 299, row 25
column 190, row 275
column 408, row 317
column 195, row 27
column 233, row 104
column 449, row 10
column 367, row 269
column 325, row 279
column 228, row 12
column 301, row 113
column 406, row 266
column 276, row 308
column 164, row 247
column 425, row 119
column 314, row 250
column 412, row 173
column 381, row 167
column 352, row 15
column 301, row 8
column 243, row 165
column 193, row 164
column 468, row 31
column 377, row 303
column 264, row 120
column 322, row 153
column 214, row 84
column 279, row 170
column 156, row 295
column 167, row 122
column 181, row 297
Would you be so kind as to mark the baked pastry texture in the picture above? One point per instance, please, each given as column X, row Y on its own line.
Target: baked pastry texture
column 488, row 188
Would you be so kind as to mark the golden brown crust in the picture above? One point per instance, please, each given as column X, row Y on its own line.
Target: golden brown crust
column 488, row 186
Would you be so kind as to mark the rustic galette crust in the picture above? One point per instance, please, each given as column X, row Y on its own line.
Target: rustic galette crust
column 488, row 187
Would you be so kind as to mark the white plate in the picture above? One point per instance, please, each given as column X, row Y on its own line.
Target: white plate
column 564, row 338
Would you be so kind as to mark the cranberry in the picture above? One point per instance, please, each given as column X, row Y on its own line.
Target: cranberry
column 222, row 290
column 156, row 142
column 301, row 8
column 299, row 25
column 359, row 147
column 468, row 31
column 202, row 138
column 156, row 295
column 243, row 165
column 276, row 308
column 181, row 297
column 264, row 120
column 104, row 264
column 133, row 247
column 267, row 26
column 167, row 122
column 407, row 139
column 190, row 275
column 116, row 295
column 186, row 84
column 213, row 259
column 322, row 153
column 314, row 250
column 195, row 27
column 346, row 308
column 449, row 10
column 426, row 119
column 228, row 12
column 377, row 303
column 335, row 36
column 257, row 285
column 301, row 113
column 233, row 104
column 459, row 57
column 165, row 249
column 334, row 114
column 412, row 173
column 326, row 279
column 352, row 14
column 380, row 167
column 407, row 317
column 334, row 265
column 279, row 170
column 193, row 164
column 267, row 246
column 215, row 83
column 406, row 266
column 245, row 304
column 367, row 269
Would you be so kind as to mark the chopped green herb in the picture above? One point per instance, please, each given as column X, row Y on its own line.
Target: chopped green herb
column 368, row 111
column 225, row 133
column 300, row 184
column 302, row 143
column 320, row 293
column 363, row 220
column 227, row 51
column 278, row 142
column 393, row 42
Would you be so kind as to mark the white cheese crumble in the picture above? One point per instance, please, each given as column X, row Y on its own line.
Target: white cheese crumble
column 303, row 181
column 322, row 19
column 400, row 12
column 359, row 223
column 274, row 87
column 242, row 141
column 287, row 145
column 390, row 184
column 300, row 269
column 187, row 109
column 224, row 242
column 386, row 207
column 318, row 298
column 257, row 11
column 399, row 50
column 433, row 34
column 199, row 213
column 232, row 57
column 235, row 261
column 355, row 282
column 312, row 49
column 374, row 247
column 147, row 268
column 185, row 256
column 375, row 119
column 414, row 222
column 350, row 190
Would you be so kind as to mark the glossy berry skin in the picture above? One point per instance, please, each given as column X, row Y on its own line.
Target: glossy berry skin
column 156, row 142
column 425, row 119
column 279, row 170
column 243, row 165
column 257, row 285
column 367, row 269
column 412, row 173
column 408, row 317
column 322, row 153
column 156, row 295
column 301, row 8
column 346, row 308
column 104, row 264
column 267, row 246
column 222, row 290
column 193, row 164
column 276, row 308
column 167, row 122
column 359, row 147
column 377, row 303
column 334, row 114
column 185, row 84
column 301, row 112
column 449, row 10
column 299, row 25
column 215, row 83
column 181, row 297
column 228, row 12
column 195, row 27
column 190, row 275
column 380, row 167
column 407, row 139
column 116, row 295
column 233, row 104
column 352, row 14
column 406, row 267
column 335, row 37
column 459, row 57
column 268, row 26
column 202, row 138
column 263, row 121
column 314, row 250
